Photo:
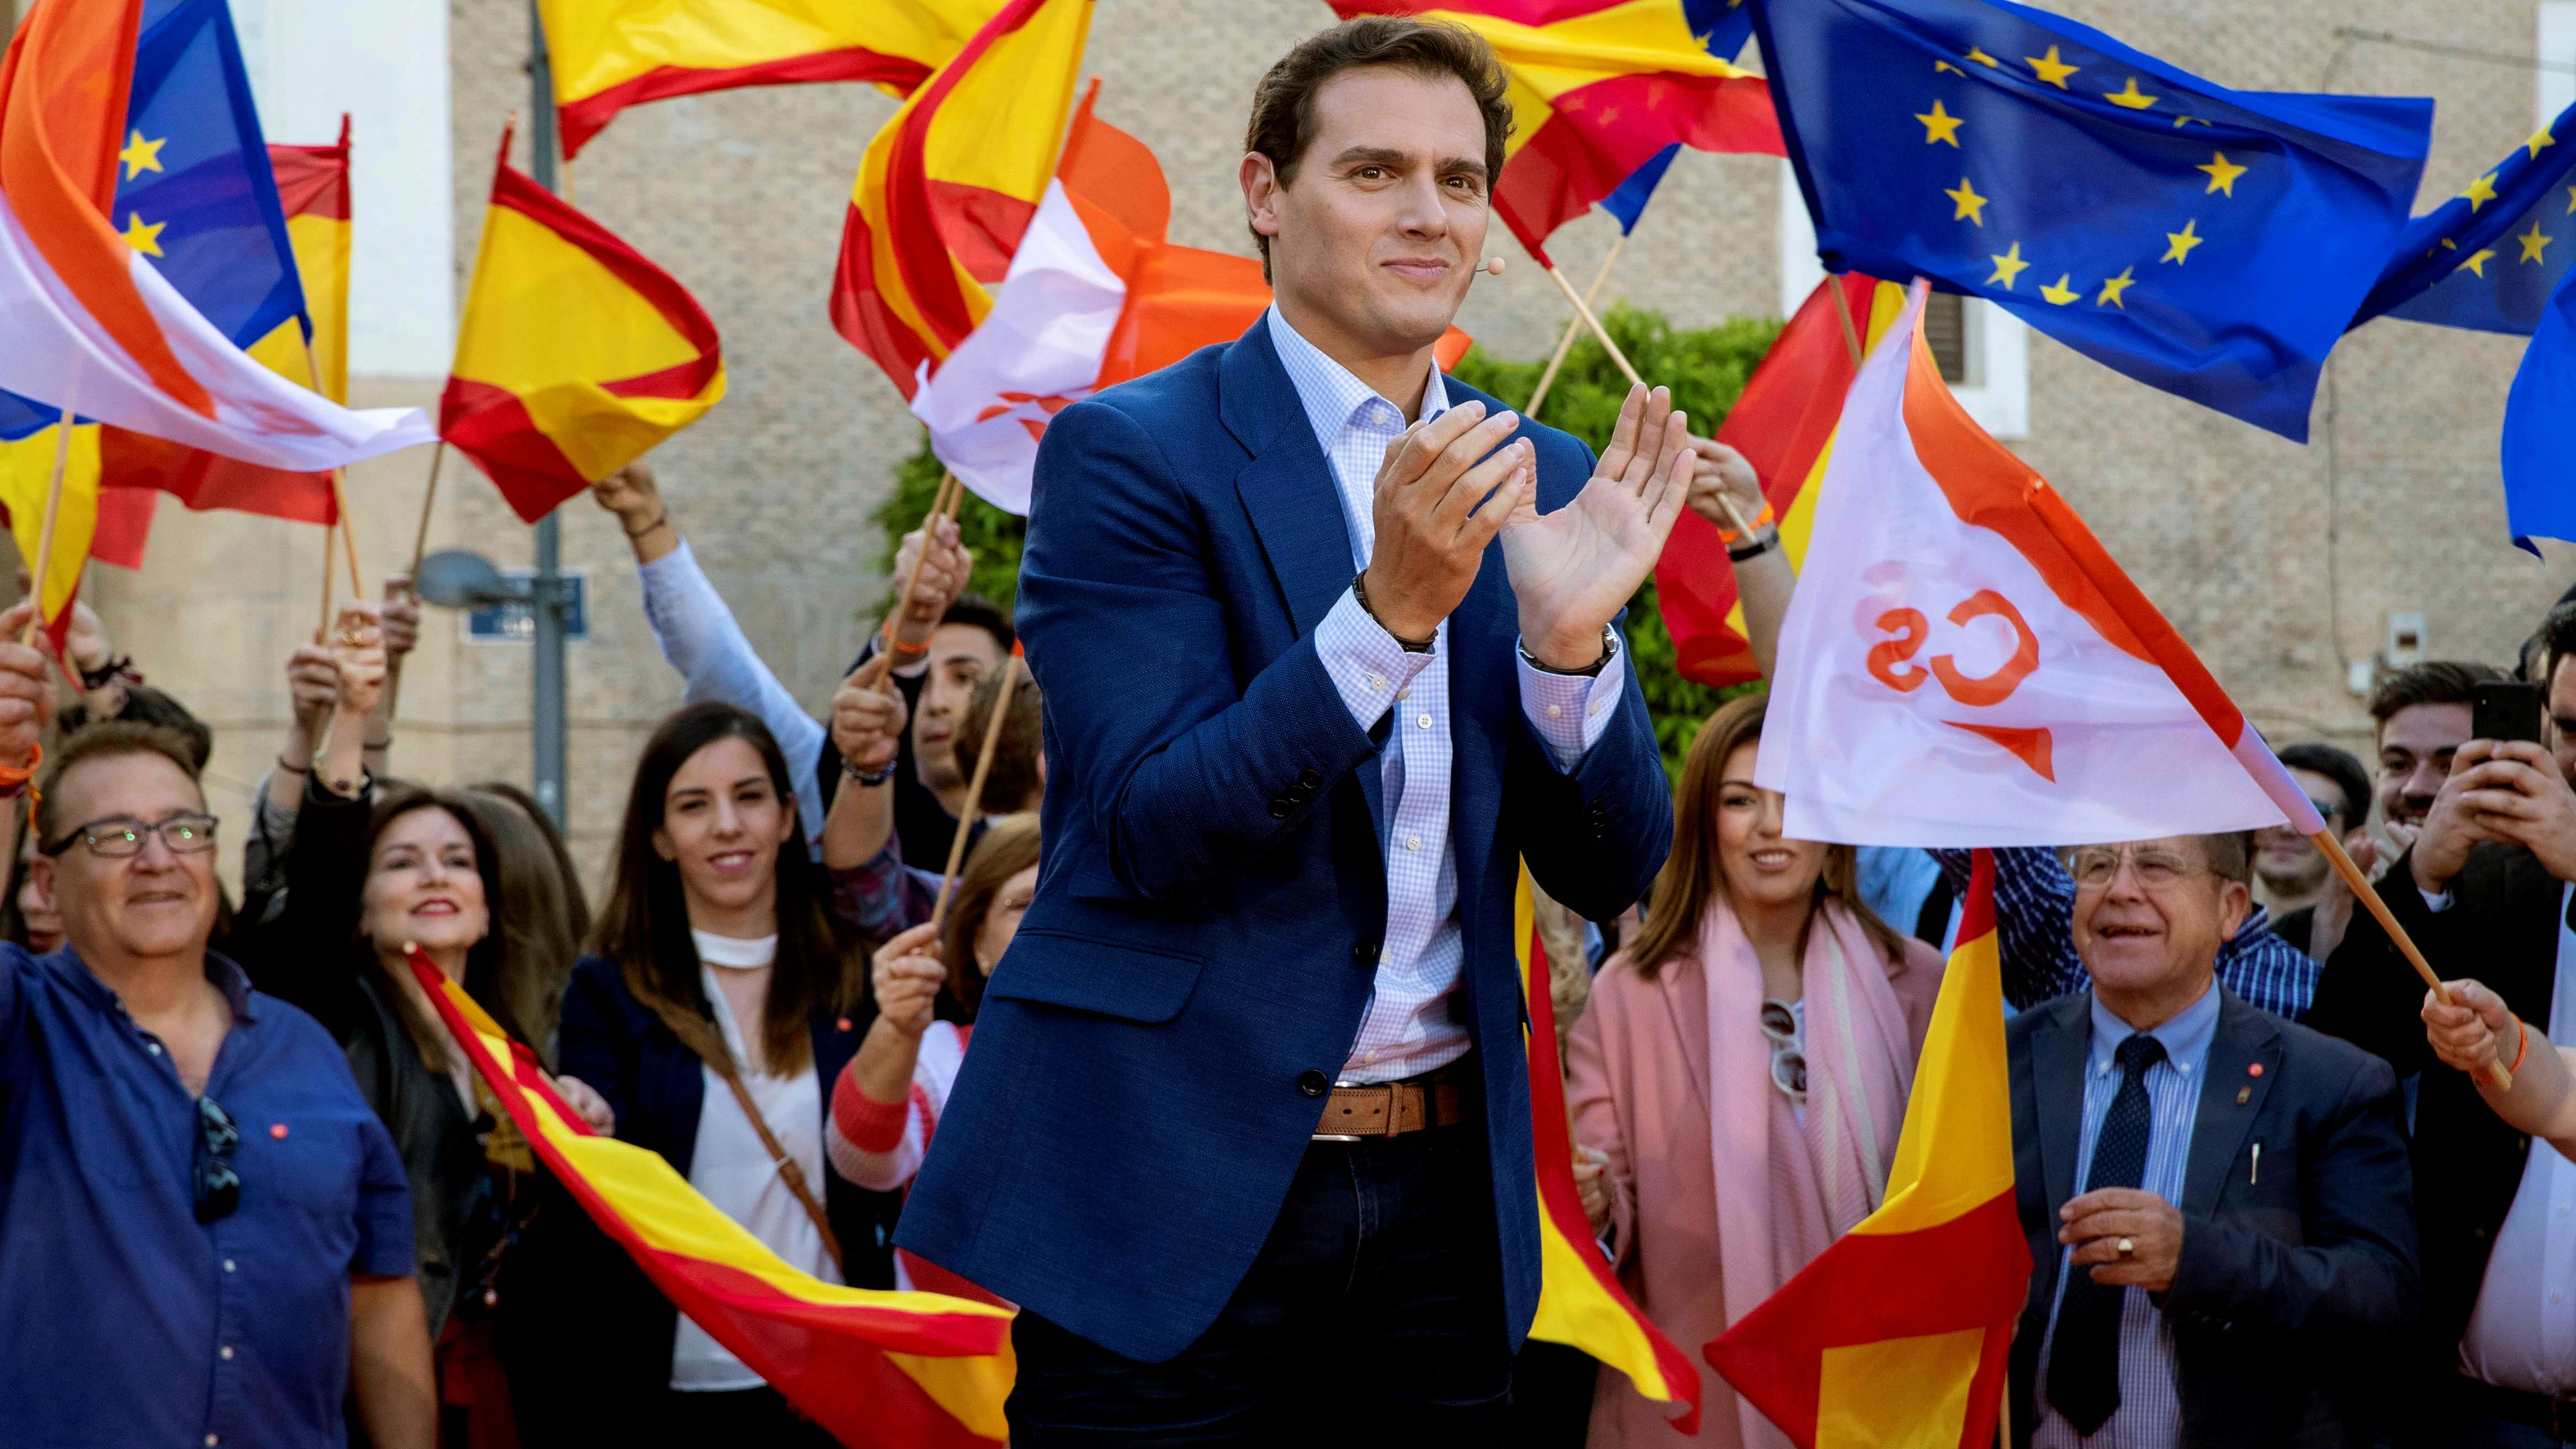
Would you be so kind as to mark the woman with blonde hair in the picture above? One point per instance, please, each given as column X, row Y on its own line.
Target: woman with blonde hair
column 1741, row 1074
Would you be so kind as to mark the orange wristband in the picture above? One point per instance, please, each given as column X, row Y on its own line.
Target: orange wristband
column 2522, row 1050
column 11, row 779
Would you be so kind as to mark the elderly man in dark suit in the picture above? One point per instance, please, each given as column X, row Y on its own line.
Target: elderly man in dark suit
column 2189, row 1291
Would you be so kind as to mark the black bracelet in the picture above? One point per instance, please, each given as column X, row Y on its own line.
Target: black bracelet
column 877, row 776
column 1761, row 543
column 292, row 769
column 1359, row 592
column 120, row 667
column 659, row 519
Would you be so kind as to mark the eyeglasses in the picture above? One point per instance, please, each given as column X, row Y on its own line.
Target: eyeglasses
column 218, row 1186
column 115, row 837
column 2096, row 866
column 1788, row 1058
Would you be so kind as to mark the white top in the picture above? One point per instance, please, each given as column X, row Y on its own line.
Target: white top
column 734, row 1172
column 2523, row 1332
column 1410, row 1026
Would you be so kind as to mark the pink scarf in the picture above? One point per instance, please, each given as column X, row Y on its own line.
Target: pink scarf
column 1786, row 1190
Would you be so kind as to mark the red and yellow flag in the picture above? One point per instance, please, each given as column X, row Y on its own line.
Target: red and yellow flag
column 611, row 54
column 1598, row 87
column 313, row 189
column 876, row 1368
column 1901, row 1331
column 1580, row 1302
column 1784, row 425
column 576, row 355
column 951, row 183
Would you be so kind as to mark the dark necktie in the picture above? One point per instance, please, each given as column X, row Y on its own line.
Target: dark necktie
column 2084, row 1360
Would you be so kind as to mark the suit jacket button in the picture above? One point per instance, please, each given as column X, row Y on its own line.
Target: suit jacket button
column 1364, row 954
column 1279, row 807
column 1313, row 1083
column 1312, row 780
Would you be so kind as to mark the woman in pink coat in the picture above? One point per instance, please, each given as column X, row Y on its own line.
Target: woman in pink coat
column 1740, row 1075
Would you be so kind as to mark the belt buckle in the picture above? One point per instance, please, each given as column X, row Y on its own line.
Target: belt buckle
column 1386, row 1087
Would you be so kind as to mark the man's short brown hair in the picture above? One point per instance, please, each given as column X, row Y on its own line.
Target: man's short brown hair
column 112, row 740
column 2442, row 681
column 2230, row 855
column 1283, row 104
column 1013, row 783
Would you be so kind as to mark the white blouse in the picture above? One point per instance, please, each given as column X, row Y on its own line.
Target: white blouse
column 734, row 1171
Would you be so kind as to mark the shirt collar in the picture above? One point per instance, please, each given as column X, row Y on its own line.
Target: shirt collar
column 2257, row 921
column 1331, row 393
column 228, row 978
column 2186, row 1034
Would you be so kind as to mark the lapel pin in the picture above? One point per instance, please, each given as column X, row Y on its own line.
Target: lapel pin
column 2254, row 1070
column 843, row 1024
column 277, row 1130
column 2244, row 1095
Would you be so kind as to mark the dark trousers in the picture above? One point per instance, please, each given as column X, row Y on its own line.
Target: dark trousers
column 739, row 1416
column 1373, row 1315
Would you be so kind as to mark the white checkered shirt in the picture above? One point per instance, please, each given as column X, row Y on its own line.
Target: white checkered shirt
column 2150, row 1412
column 1410, row 1027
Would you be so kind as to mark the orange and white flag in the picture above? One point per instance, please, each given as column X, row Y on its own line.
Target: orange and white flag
column 1964, row 664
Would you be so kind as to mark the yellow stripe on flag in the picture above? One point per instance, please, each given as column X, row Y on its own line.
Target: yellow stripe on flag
column 599, row 44
column 1543, row 62
column 26, row 475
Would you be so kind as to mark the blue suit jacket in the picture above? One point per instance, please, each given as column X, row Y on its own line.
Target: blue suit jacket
column 1213, row 891
column 2297, row 1281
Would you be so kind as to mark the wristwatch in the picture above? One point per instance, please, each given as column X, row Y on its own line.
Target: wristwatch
column 1609, row 648
column 1763, row 541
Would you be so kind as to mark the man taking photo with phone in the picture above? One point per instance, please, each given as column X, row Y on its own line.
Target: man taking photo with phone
column 2485, row 892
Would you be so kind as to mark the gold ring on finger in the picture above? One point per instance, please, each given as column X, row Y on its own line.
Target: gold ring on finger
column 2128, row 1246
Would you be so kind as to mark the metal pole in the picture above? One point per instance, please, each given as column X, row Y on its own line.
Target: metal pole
column 546, row 598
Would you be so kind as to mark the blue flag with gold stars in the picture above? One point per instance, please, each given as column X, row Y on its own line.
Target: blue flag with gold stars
column 2209, row 242
column 2539, row 440
column 2486, row 258
column 194, row 191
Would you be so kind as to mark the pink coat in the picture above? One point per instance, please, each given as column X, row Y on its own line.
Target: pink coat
column 1639, row 1082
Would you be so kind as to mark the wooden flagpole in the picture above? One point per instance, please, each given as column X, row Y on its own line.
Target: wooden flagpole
column 330, row 560
column 45, row 535
column 1011, row 667
column 2369, row 896
column 1743, row 528
column 339, row 494
column 429, row 496
column 943, row 504
column 1574, row 329
column 1842, row 309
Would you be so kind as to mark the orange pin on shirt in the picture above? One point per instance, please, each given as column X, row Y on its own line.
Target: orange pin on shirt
column 2254, row 1070
column 277, row 1130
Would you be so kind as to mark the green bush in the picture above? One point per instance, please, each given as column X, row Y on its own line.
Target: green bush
column 1705, row 367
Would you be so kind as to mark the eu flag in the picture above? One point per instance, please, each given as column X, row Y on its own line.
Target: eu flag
column 194, row 191
column 2209, row 242
column 2539, row 445
column 2487, row 258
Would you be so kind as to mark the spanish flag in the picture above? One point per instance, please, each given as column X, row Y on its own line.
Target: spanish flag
column 313, row 193
column 1598, row 89
column 876, row 1368
column 949, row 186
column 1580, row 1302
column 611, row 54
column 576, row 355
column 1898, row 1334
column 1784, row 425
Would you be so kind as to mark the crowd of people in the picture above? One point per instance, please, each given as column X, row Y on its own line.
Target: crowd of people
column 253, row 1193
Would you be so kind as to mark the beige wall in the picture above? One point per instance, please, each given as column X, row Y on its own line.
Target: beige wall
column 741, row 196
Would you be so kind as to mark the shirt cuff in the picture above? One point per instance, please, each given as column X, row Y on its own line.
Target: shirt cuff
column 1572, row 711
column 2437, row 904
column 1364, row 661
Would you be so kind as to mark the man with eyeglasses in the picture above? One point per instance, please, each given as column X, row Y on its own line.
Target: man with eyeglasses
column 205, row 1234
column 2216, row 1200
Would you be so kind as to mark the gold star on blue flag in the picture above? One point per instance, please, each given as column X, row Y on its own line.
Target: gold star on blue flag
column 2518, row 210
column 194, row 170
column 2209, row 242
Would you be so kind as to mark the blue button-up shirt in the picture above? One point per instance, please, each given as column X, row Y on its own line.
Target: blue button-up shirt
column 125, row 1321
column 2150, row 1412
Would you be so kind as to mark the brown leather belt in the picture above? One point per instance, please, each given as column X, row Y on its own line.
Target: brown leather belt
column 1392, row 1109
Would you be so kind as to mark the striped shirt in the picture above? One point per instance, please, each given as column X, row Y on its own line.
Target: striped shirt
column 1410, row 1026
column 2150, row 1412
column 2035, row 916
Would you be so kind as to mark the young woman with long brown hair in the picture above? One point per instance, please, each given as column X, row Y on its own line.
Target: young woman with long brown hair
column 1741, row 1073
column 719, row 1005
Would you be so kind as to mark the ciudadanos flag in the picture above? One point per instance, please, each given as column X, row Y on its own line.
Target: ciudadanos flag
column 1965, row 664
column 89, row 321
column 2489, row 257
column 2208, row 242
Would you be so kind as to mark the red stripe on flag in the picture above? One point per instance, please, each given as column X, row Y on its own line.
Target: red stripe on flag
column 312, row 180
column 204, row 480
column 1519, row 12
column 1554, row 1149
column 585, row 118
column 492, row 426
column 860, row 313
column 1597, row 134
column 1968, row 1273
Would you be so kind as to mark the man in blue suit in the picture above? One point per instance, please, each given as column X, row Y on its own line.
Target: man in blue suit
column 1245, row 1128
